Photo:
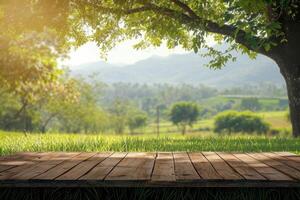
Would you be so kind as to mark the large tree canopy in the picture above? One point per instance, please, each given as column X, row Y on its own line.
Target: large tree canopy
column 33, row 36
column 245, row 24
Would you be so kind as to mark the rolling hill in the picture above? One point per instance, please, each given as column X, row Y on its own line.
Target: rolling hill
column 186, row 68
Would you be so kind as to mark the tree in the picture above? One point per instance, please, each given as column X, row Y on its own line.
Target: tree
column 119, row 115
column 33, row 37
column 137, row 121
column 268, row 27
column 34, row 34
column 55, row 98
column 184, row 114
column 250, row 104
column 235, row 122
column 82, row 114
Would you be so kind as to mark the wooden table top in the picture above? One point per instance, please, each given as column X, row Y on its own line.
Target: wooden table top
column 145, row 169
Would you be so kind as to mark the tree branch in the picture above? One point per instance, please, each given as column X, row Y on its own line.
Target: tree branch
column 227, row 30
column 186, row 8
column 192, row 20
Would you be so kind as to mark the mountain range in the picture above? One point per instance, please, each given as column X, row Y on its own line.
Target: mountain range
column 187, row 68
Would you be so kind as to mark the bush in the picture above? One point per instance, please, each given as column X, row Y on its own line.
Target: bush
column 137, row 121
column 234, row 122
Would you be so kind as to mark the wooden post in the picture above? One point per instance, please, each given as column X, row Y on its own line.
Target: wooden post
column 157, row 120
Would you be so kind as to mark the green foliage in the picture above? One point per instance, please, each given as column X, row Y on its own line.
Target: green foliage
column 147, row 97
column 18, row 142
column 250, row 104
column 119, row 113
column 67, row 105
column 184, row 114
column 235, row 122
column 33, row 37
column 83, row 115
column 137, row 121
column 246, row 25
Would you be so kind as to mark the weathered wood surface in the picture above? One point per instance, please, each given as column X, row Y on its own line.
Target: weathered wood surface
column 152, row 169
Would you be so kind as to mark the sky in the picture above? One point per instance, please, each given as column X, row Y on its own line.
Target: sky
column 123, row 54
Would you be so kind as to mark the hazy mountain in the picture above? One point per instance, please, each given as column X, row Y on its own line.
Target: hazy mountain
column 186, row 68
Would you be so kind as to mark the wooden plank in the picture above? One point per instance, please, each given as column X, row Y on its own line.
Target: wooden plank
column 63, row 167
column 284, row 160
column 104, row 168
column 265, row 170
column 285, row 153
column 16, row 156
column 135, row 166
column 84, row 167
column 204, row 167
column 184, row 169
column 241, row 167
column 14, row 160
column 290, row 156
column 222, row 167
column 164, row 168
column 27, row 160
column 43, row 166
column 284, row 168
column 276, row 165
column 19, row 158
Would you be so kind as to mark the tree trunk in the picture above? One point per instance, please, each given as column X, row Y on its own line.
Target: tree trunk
column 183, row 130
column 293, row 87
column 287, row 56
column 292, row 79
column 44, row 126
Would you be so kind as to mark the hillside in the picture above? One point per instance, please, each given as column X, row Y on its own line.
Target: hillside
column 186, row 68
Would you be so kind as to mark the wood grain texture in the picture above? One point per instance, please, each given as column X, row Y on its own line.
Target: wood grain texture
column 27, row 160
column 64, row 167
column 184, row 169
column 204, row 167
column 241, row 167
column 282, row 167
column 265, row 170
column 135, row 166
column 41, row 167
column 11, row 161
column 84, row 167
column 141, row 169
column 284, row 160
column 222, row 167
column 164, row 168
column 289, row 156
column 100, row 171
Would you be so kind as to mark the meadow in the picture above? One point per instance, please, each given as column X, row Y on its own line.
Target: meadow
column 18, row 142
column 276, row 119
column 169, row 139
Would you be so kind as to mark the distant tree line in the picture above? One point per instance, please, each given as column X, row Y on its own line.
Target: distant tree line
column 88, row 106
column 148, row 97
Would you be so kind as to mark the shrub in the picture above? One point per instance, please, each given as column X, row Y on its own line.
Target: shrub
column 136, row 122
column 234, row 122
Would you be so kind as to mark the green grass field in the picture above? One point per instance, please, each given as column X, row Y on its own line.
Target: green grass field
column 18, row 142
column 170, row 139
